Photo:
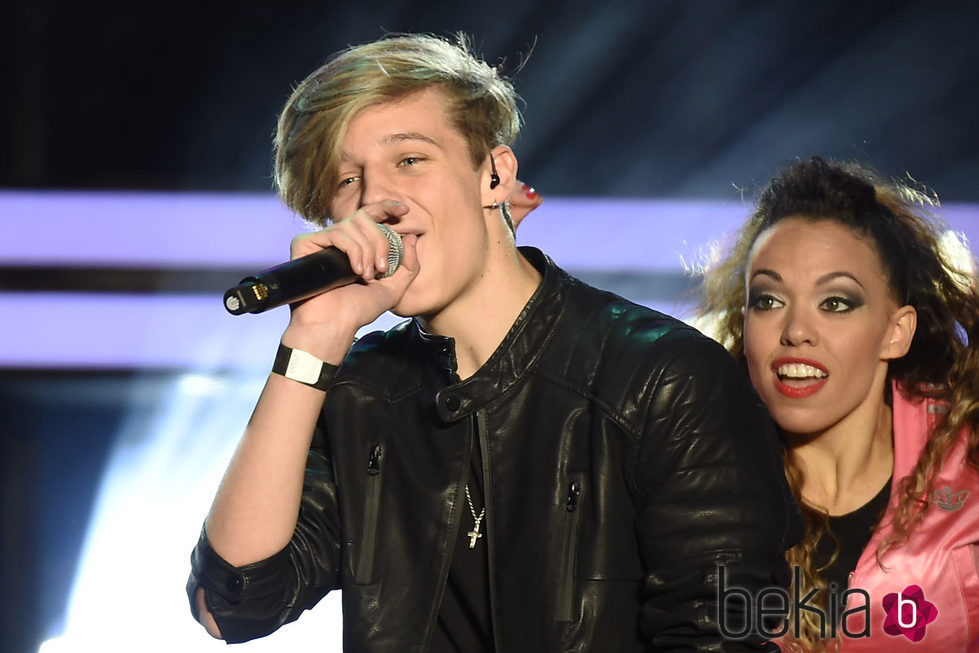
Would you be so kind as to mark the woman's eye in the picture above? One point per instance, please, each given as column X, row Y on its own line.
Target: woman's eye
column 763, row 302
column 409, row 161
column 837, row 305
column 347, row 181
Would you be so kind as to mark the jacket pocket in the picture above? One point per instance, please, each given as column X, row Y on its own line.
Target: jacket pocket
column 363, row 572
column 572, row 524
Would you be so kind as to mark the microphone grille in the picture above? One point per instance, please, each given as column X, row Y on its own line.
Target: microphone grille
column 395, row 249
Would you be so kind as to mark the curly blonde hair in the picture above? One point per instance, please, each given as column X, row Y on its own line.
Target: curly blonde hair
column 312, row 125
column 942, row 362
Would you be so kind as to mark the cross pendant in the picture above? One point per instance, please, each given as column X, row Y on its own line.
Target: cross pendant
column 474, row 535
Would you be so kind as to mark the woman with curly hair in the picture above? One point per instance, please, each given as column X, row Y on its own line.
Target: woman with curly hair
column 862, row 337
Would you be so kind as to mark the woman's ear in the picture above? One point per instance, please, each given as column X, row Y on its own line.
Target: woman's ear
column 499, row 175
column 903, row 323
column 522, row 200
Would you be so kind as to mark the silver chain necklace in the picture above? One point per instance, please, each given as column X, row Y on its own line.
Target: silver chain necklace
column 474, row 534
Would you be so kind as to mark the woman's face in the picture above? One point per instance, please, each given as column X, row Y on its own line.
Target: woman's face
column 819, row 324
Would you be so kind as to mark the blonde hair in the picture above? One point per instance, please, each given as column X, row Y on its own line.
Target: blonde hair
column 312, row 125
column 943, row 361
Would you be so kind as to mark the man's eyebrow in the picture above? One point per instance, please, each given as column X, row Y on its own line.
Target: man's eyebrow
column 402, row 137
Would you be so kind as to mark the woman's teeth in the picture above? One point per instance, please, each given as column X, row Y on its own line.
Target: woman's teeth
column 800, row 371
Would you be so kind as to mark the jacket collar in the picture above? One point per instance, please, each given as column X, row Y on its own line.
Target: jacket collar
column 513, row 358
column 914, row 418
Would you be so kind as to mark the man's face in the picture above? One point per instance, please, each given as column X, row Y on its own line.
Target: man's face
column 408, row 150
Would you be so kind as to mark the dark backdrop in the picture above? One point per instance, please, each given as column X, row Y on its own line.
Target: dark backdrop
column 635, row 98
column 655, row 98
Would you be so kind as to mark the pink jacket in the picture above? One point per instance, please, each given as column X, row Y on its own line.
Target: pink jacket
column 941, row 557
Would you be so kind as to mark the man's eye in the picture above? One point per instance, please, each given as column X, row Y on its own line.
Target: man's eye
column 409, row 161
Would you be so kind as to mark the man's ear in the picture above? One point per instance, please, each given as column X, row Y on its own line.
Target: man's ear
column 502, row 162
column 903, row 323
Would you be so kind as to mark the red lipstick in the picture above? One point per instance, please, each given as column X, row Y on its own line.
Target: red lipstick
column 794, row 391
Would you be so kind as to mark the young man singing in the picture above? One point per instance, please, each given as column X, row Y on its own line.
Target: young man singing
column 528, row 463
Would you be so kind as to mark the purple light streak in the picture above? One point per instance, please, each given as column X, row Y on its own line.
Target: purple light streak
column 87, row 330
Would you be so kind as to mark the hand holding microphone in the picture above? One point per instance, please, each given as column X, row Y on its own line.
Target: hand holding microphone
column 329, row 268
column 304, row 277
column 358, row 248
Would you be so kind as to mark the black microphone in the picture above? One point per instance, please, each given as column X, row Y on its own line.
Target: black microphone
column 303, row 277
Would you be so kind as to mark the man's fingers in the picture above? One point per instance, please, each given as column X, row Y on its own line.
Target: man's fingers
column 409, row 258
column 358, row 236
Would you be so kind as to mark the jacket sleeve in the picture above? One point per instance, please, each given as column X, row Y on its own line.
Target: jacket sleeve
column 254, row 600
column 715, row 512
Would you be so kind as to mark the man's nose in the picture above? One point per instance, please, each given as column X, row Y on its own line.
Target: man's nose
column 377, row 186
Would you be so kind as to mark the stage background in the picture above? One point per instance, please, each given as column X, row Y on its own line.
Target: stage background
column 135, row 187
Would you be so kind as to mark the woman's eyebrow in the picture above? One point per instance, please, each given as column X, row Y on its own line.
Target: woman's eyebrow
column 830, row 276
column 766, row 272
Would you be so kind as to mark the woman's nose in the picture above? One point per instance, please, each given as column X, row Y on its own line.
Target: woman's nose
column 798, row 329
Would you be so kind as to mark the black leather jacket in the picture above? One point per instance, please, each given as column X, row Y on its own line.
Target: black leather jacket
column 624, row 458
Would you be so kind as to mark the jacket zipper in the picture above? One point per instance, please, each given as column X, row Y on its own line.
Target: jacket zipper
column 565, row 611
column 481, row 433
column 365, row 563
